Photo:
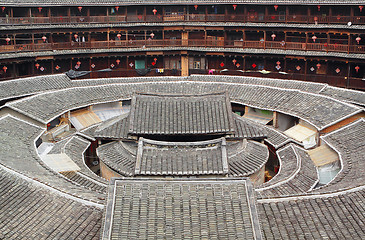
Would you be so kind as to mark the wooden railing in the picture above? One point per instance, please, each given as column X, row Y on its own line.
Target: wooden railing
column 183, row 17
column 322, row 47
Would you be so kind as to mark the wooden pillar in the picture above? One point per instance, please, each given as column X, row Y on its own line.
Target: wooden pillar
column 330, row 13
column 348, row 42
column 245, row 13
column 266, row 14
column 285, row 65
column 306, row 40
column 244, row 63
column 108, row 37
column 184, row 65
column 69, row 13
column 348, row 75
column 286, row 13
column 328, row 41
column 52, row 66
column 206, row 13
column 308, row 13
column 264, row 39
column 275, row 120
column 305, row 67
column 32, row 67
column 15, row 74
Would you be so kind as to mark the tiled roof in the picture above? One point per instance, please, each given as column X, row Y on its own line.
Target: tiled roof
column 320, row 217
column 181, row 158
column 74, row 147
column 181, row 209
column 320, row 111
column 27, row 86
column 29, row 211
column 246, row 129
column 349, row 143
column 247, row 160
column 18, row 153
column 180, row 114
column 114, row 128
column 348, row 95
column 118, row 157
column 297, row 178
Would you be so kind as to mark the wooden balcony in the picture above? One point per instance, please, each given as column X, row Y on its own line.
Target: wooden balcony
column 182, row 18
column 320, row 47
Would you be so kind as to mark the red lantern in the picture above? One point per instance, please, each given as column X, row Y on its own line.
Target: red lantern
column 78, row 63
column 58, row 67
column 152, row 35
column 117, row 8
column 222, row 64
column 2, row 9
column 319, row 8
column 154, row 11
column 75, row 36
column 361, row 7
column 112, row 65
column 119, row 36
column 278, row 63
column 254, row 65
column 234, row 7
column 314, row 38
column 155, row 59
column 196, row 7
column 238, row 65
column 318, row 65
column 273, row 36
column 80, row 8
column 5, row 68
column 37, row 65
column 234, row 61
column 40, row 9
column 153, row 63
column 276, row 7
column 357, row 68
column 7, row 40
column 117, row 61
column 358, row 39
column 44, row 38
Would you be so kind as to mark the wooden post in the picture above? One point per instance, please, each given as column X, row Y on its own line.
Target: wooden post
column 69, row 13
column 245, row 13
column 275, row 120
column 286, row 14
column 306, row 40
column 348, row 42
column 266, row 15
column 108, row 37
column 328, row 41
column 308, row 13
column 264, row 39
column 348, row 75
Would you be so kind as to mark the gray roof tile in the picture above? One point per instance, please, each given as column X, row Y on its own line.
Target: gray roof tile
column 180, row 114
column 181, row 158
column 181, row 209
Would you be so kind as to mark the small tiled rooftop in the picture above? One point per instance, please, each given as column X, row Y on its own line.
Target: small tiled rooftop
column 181, row 209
